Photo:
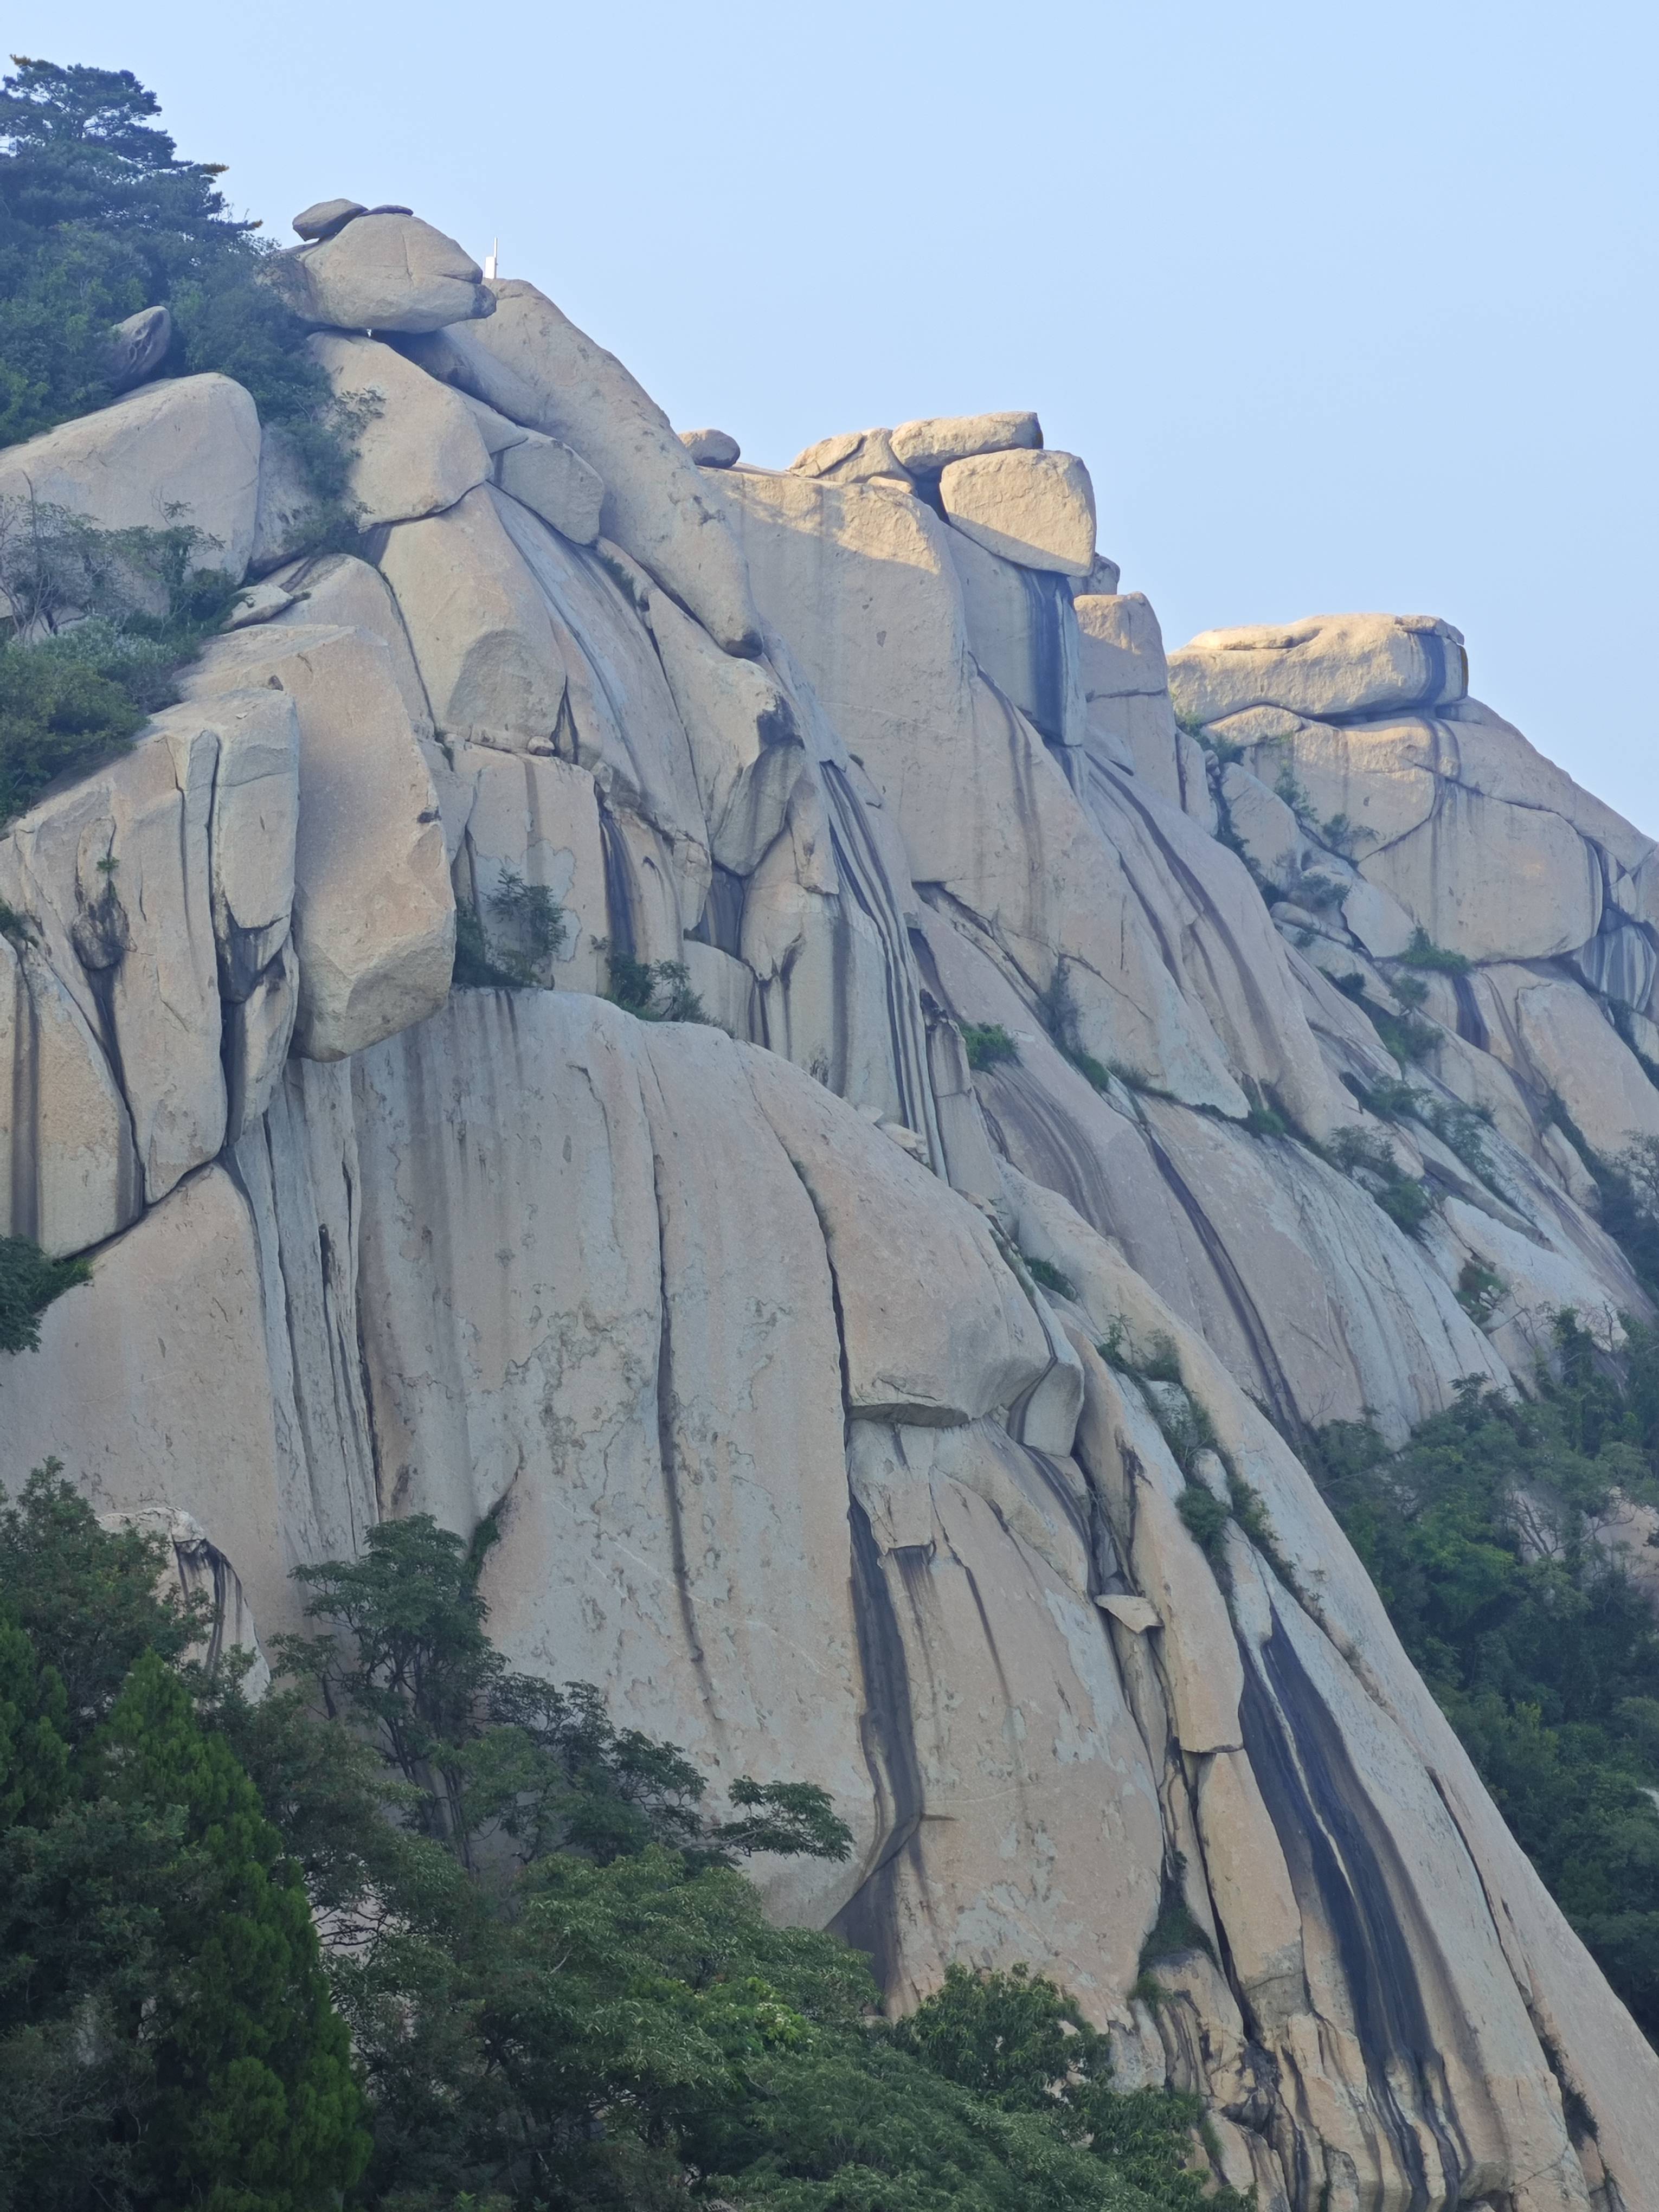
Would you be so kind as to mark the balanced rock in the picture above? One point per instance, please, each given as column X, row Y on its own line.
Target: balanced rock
column 323, row 218
column 383, row 272
column 711, row 449
column 1328, row 666
column 1037, row 509
column 924, row 447
column 138, row 346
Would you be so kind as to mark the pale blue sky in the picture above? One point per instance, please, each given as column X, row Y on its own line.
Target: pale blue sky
column 1345, row 305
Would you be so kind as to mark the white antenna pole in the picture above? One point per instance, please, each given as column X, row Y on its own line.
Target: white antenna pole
column 492, row 260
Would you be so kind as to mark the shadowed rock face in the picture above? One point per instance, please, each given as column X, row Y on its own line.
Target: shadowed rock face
column 772, row 1339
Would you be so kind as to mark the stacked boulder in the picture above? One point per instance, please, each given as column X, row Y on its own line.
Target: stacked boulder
column 818, row 1357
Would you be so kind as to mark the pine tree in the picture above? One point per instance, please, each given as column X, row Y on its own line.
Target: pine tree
column 256, row 2109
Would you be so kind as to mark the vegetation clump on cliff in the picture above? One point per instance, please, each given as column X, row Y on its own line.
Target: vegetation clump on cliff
column 1481, row 1535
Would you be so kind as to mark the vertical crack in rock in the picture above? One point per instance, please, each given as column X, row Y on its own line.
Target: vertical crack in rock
column 668, row 1460
column 859, row 868
column 870, row 1919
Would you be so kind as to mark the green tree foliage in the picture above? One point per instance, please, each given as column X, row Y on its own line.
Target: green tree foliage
column 653, row 990
column 166, row 2034
column 1479, row 1536
column 1019, row 2042
column 29, row 1281
column 99, row 217
column 988, row 1045
column 559, row 1991
column 101, row 621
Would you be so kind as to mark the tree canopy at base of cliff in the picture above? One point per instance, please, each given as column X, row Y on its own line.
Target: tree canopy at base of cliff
column 1481, row 1536
column 464, row 1944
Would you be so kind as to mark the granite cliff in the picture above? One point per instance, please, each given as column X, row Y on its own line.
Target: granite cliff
column 1113, row 1068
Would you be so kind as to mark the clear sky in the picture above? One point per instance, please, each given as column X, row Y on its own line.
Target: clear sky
column 1345, row 305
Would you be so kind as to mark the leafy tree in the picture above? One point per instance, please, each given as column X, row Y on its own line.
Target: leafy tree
column 29, row 1281
column 167, row 2035
column 1019, row 2042
column 99, row 217
column 254, row 2106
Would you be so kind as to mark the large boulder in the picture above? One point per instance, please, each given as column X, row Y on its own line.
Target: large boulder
column 416, row 448
column 374, row 913
column 924, row 447
column 532, row 363
column 383, row 272
column 184, row 451
column 1325, row 665
column 483, row 644
column 1037, row 509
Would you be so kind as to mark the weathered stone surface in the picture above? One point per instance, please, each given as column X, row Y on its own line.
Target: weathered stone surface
column 1576, row 1052
column 373, row 914
column 546, row 476
column 1273, row 841
column 417, row 449
column 150, row 1384
column 1128, row 718
column 183, row 452
column 864, row 590
column 1492, row 881
column 624, row 1283
column 539, row 820
column 256, row 812
column 1037, row 509
column 487, row 659
column 69, row 1176
column 852, row 457
column 711, row 449
column 1023, row 634
column 924, row 447
column 619, row 719
column 383, row 271
column 341, row 592
column 746, row 743
column 533, row 364
column 114, row 875
column 1015, row 1705
column 1327, row 665
column 285, row 507
column 641, row 1365
column 949, row 1335
column 258, row 1029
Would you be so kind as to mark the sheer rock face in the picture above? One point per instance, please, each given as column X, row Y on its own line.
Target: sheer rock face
column 775, row 1338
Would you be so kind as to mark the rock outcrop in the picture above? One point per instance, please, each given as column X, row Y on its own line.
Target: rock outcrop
column 802, row 1352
